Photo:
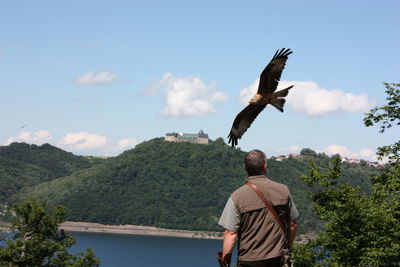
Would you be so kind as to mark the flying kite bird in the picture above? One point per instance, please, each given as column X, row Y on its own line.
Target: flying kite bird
column 265, row 95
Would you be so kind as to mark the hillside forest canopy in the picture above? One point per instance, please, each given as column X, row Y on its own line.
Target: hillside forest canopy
column 158, row 183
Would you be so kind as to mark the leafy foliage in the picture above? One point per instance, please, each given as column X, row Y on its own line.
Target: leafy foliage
column 38, row 242
column 387, row 116
column 24, row 165
column 306, row 255
column 361, row 229
column 308, row 152
column 175, row 185
column 158, row 183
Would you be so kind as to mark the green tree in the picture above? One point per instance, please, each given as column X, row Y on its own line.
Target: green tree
column 305, row 255
column 386, row 189
column 220, row 140
column 360, row 229
column 37, row 241
column 387, row 116
column 308, row 152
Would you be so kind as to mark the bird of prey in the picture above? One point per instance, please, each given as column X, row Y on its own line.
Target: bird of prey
column 265, row 95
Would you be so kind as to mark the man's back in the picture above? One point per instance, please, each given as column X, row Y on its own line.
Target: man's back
column 260, row 236
column 246, row 218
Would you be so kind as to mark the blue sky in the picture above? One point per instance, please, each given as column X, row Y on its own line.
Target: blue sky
column 98, row 77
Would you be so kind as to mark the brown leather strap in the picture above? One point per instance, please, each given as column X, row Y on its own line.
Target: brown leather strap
column 268, row 205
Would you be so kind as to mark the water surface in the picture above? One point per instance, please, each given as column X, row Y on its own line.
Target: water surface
column 116, row 250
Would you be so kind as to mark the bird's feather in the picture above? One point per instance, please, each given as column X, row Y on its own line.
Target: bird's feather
column 271, row 75
column 282, row 93
column 243, row 121
column 278, row 103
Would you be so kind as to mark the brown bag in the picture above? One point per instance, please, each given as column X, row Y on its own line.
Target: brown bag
column 286, row 255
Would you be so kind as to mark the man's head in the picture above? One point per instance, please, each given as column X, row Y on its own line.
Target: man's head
column 255, row 163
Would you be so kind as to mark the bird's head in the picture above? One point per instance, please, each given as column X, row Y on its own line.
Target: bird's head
column 255, row 98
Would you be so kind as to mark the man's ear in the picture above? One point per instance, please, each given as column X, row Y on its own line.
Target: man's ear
column 265, row 168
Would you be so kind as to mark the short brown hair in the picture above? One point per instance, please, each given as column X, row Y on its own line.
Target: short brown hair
column 254, row 162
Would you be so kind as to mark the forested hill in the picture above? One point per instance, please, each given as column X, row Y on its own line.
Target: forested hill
column 175, row 185
column 24, row 165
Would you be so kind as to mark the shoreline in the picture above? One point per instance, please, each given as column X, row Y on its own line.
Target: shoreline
column 88, row 227
column 136, row 230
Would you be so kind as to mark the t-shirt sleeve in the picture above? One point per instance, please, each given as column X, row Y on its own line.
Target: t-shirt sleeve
column 294, row 213
column 230, row 217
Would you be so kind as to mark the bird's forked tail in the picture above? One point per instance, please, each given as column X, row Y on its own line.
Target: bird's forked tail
column 277, row 101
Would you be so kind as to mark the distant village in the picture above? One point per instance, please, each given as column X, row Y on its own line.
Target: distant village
column 344, row 159
column 202, row 138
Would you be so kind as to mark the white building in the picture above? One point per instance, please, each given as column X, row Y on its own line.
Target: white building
column 199, row 138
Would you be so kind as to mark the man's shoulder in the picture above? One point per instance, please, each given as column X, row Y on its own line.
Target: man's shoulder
column 272, row 188
column 278, row 186
column 264, row 184
column 240, row 191
column 269, row 183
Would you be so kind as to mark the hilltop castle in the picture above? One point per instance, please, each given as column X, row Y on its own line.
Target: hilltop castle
column 199, row 138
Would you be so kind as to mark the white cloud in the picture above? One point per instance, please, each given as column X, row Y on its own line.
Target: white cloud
column 97, row 77
column 78, row 142
column 288, row 150
column 219, row 96
column 82, row 141
column 124, row 144
column 365, row 153
column 39, row 137
column 10, row 140
column 308, row 98
column 188, row 96
column 337, row 149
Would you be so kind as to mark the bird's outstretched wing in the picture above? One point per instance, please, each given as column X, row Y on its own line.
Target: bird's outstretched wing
column 271, row 75
column 243, row 121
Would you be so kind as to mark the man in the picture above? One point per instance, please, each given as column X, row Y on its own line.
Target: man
column 246, row 218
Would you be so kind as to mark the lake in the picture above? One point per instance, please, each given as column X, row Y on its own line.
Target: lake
column 116, row 250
